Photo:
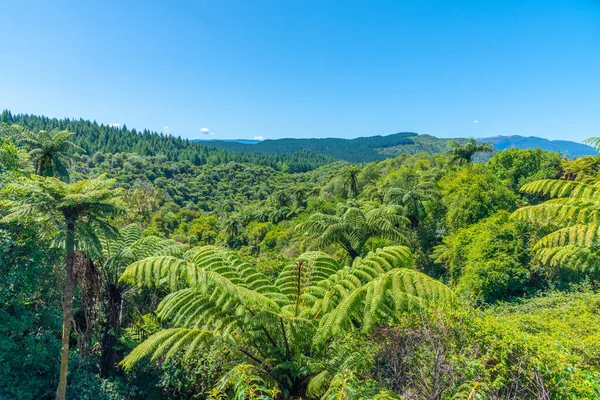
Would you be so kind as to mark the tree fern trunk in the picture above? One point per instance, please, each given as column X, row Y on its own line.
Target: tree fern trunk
column 353, row 254
column 67, row 303
column 110, row 355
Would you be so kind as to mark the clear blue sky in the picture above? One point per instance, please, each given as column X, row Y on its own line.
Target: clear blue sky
column 308, row 68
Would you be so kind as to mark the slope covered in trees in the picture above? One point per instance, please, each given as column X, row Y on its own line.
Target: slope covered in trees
column 359, row 150
column 573, row 149
column 133, row 274
column 98, row 138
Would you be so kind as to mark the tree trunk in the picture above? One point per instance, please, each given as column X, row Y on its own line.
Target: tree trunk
column 110, row 355
column 353, row 254
column 67, row 304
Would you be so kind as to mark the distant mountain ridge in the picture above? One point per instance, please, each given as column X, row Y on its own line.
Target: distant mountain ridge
column 565, row 147
column 292, row 155
column 362, row 149
column 372, row 148
column 244, row 141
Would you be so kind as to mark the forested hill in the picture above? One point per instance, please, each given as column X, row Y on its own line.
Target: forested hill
column 100, row 138
column 566, row 147
column 359, row 150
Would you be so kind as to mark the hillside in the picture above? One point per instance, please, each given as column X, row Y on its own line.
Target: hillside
column 359, row 150
column 565, row 147
column 373, row 148
column 99, row 138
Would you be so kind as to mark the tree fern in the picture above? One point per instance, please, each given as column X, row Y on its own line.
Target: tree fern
column 49, row 150
column 354, row 227
column 573, row 216
column 276, row 326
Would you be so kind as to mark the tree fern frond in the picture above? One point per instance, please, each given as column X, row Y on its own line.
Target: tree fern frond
column 157, row 271
column 167, row 343
column 559, row 212
column 578, row 235
column 563, row 188
column 574, row 257
column 326, row 295
column 383, row 299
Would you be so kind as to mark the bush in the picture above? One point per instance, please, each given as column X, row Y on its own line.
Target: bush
column 490, row 260
column 544, row 348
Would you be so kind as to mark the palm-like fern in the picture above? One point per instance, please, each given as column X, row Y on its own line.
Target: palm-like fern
column 350, row 176
column 461, row 154
column 573, row 214
column 49, row 150
column 412, row 196
column 353, row 227
column 277, row 326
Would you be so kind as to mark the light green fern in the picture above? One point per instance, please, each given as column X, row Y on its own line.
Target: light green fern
column 573, row 216
column 276, row 326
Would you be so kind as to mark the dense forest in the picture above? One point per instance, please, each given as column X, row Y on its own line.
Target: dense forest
column 135, row 265
column 364, row 149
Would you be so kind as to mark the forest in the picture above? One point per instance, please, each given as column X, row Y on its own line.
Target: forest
column 138, row 266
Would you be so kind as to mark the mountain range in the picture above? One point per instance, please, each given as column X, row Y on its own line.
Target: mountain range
column 565, row 147
column 366, row 149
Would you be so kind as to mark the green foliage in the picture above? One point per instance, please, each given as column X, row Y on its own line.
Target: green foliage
column 95, row 138
column 472, row 193
column 364, row 149
column 197, row 320
column 29, row 315
column 52, row 202
column 352, row 228
column 489, row 261
column 461, row 154
column 49, row 150
column 12, row 159
column 524, row 166
column 573, row 217
column 540, row 348
column 217, row 298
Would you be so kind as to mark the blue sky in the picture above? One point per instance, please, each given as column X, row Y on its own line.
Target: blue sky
column 283, row 68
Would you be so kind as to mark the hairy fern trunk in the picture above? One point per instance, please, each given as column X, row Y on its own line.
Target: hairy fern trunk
column 67, row 303
column 111, row 356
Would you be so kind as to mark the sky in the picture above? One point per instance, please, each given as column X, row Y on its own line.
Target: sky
column 226, row 69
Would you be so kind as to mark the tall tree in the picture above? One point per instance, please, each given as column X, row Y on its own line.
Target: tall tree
column 353, row 227
column 277, row 329
column 77, row 211
column 49, row 150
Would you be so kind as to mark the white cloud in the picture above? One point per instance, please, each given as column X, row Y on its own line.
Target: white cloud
column 115, row 125
column 166, row 129
column 206, row 131
column 259, row 138
column 475, row 122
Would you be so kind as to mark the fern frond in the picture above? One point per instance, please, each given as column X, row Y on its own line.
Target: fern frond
column 325, row 295
column 574, row 257
column 318, row 384
column 383, row 299
column 309, row 269
column 559, row 212
column 563, row 188
column 166, row 343
column 578, row 235
column 158, row 271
